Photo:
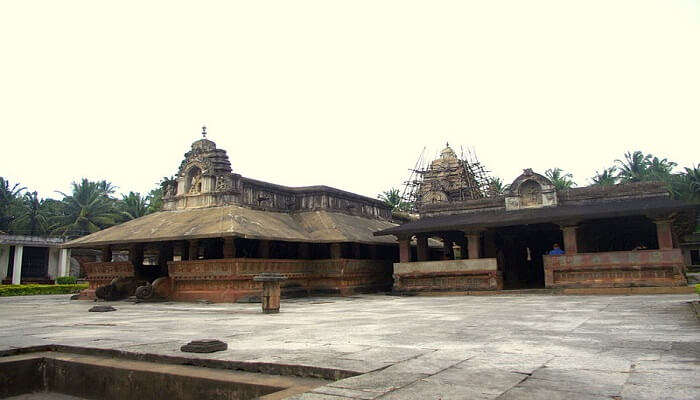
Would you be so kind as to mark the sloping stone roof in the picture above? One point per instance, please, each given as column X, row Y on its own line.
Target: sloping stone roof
column 31, row 241
column 500, row 217
column 199, row 223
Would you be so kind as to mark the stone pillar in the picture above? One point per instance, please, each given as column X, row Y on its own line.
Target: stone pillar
column 374, row 252
column 17, row 265
column 304, row 251
column 263, row 249
column 229, row 247
column 423, row 251
column 271, row 291
column 136, row 255
column 165, row 254
column 447, row 248
column 474, row 244
column 4, row 261
column 336, row 250
column 64, row 263
column 663, row 234
column 107, row 254
column 193, row 250
column 570, row 240
column 356, row 251
column 405, row 249
column 54, row 260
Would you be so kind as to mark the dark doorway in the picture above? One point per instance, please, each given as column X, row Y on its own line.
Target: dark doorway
column 520, row 250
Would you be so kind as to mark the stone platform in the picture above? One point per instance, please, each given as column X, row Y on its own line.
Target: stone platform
column 521, row 346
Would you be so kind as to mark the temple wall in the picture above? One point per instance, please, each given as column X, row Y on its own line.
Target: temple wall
column 615, row 269
column 228, row 280
column 448, row 275
column 102, row 273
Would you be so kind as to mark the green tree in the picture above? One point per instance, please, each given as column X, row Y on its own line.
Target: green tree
column 155, row 196
column 496, row 187
column 10, row 203
column 560, row 180
column 605, row 178
column 686, row 185
column 86, row 210
column 133, row 206
column 634, row 168
column 659, row 169
column 393, row 199
column 33, row 219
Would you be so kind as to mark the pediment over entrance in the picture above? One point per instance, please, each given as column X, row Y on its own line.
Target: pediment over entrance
column 531, row 190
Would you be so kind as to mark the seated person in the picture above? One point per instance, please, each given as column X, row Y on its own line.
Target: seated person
column 556, row 250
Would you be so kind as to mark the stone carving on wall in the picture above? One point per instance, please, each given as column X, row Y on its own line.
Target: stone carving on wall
column 224, row 183
column 531, row 190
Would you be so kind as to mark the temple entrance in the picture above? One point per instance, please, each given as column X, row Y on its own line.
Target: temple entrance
column 520, row 251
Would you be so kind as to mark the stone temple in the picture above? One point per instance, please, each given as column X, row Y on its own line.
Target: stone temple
column 219, row 229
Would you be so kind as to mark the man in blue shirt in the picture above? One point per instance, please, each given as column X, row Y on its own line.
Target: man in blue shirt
column 556, row 250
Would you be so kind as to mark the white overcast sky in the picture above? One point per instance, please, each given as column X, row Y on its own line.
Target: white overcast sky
column 344, row 94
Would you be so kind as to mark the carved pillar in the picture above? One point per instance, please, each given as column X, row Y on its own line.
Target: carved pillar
column 107, row 254
column 374, row 252
column 193, row 250
column 356, row 251
column 570, row 240
column 405, row 249
column 229, row 247
column 336, row 250
column 474, row 244
column 448, row 253
column 136, row 254
column 304, row 251
column 264, row 249
column 422, row 250
column 664, row 234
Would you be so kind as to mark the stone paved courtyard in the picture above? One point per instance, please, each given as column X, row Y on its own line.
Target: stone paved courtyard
column 476, row 347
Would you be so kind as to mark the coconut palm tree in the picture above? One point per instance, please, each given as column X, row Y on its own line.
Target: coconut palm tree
column 86, row 210
column 133, row 206
column 605, row 178
column 659, row 169
column 34, row 217
column 9, row 203
column 560, row 180
column 634, row 168
column 686, row 185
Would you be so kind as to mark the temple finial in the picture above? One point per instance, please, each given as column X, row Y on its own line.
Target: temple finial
column 447, row 144
column 204, row 131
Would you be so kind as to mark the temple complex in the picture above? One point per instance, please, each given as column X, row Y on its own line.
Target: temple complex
column 219, row 229
column 612, row 236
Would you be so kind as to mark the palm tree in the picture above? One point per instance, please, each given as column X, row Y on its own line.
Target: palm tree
column 9, row 201
column 496, row 187
column 86, row 210
column 133, row 206
column 659, row 169
column 34, row 219
column 560, row 180
column 634, row 168
column 391, row 197
column 686, row 185
column 605, row 178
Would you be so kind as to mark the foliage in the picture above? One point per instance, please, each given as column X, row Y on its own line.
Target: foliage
column 559, row 179
column 133, row 206
column 497, row 187
column 686, row 185
column 88, row 209
column 393, row 199
column 605, row 178
column 9, row 202
column 25, row 290
column 66, row 280
column 634, row 168
column 155, row 196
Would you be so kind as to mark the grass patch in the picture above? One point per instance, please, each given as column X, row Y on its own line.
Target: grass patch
column 25, row 290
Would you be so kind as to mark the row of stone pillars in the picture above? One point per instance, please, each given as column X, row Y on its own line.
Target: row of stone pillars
column 60, row 258
column 189, row 250
column 473, row 242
